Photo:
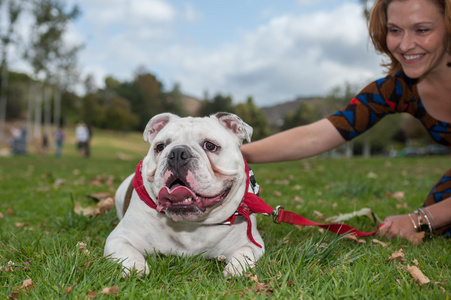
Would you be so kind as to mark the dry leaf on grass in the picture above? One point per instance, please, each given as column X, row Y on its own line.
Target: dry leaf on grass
column 69, row 289
column 277, row 193
column 104, row 204
column 380, row 243
column 114, row 290
column 418, row 275
column 297, row 199
column 416, row 238
column 396, row 195
column 26, row 285
column 355, row 238
column 261, row 287
column 402, row 205
column 397, row 255
column 101, row 180
column 318, row 215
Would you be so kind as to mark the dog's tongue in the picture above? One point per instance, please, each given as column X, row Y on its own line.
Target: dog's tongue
column 178, row 194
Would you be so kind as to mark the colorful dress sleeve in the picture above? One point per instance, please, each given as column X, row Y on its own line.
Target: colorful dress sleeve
column 392, row 94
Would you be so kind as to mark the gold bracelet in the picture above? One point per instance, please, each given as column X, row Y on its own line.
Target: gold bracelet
column 413, row 222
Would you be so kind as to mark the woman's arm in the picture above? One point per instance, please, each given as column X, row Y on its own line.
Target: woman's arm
column 293, row 144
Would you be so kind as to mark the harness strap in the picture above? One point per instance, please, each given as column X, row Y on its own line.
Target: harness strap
column 128, row 197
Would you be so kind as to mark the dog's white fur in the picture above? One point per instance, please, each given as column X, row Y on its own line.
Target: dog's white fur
column 143, row 230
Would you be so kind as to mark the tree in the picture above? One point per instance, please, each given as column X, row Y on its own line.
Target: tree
column 47, row 52
column 218, row 104
column 151, row 98
column 118, row 115
column 7, row 36
column 306, row 113
column 174, row 101
column 255, row 117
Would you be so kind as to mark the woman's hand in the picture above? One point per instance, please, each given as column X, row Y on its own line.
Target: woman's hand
column 400, row 225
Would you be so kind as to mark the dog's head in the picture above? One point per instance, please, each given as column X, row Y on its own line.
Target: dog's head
column 194, row 169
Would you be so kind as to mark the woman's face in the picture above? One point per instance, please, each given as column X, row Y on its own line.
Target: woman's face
column 417, row 36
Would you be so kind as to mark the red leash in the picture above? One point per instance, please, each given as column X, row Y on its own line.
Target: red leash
column 283, row 216
column 257, row 205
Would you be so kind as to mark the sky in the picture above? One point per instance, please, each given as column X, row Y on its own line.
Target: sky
column 271, row 50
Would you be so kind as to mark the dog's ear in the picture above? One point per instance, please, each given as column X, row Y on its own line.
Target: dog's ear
column 156, row 124
column 234, row 123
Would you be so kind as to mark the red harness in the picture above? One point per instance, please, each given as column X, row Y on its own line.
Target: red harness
column 252, row 203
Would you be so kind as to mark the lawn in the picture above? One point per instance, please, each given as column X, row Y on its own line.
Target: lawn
column 49, row 252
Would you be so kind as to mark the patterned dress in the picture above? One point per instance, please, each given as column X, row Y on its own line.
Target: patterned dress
column 394, row 94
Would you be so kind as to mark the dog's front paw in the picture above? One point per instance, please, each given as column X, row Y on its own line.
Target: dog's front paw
column 139, row 269
column 238, row 266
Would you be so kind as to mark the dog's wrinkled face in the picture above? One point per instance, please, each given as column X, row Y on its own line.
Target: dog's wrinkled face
column 194, row 165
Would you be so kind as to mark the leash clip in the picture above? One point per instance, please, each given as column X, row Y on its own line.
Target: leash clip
column 275, row 214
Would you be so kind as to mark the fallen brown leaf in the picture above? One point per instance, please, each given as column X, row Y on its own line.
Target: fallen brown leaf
column 318, row 215
column 416, row 238
column 380, row 243
column 297, row 199
column 259, row 286
column 106, row 291
column 277, row 193
column 102, row 206
column 355, row 238
column 69, row 289
column 418, row 275
column 396, row 195
column 397, row 255
column 402, row 205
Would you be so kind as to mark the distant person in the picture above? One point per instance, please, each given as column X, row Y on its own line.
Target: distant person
column 45, row 142
column 23, row 140
column 59, row 140
column 416, row 37
column 82, row 137
column 15, row 141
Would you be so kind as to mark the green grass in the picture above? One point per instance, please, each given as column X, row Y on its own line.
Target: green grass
column 39, row 231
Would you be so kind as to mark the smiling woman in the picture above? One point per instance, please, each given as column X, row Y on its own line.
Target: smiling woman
column 416, row 37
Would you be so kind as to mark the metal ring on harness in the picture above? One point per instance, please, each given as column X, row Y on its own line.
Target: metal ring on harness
column 275, row 214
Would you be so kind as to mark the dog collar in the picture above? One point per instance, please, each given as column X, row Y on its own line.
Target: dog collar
column 250, row 203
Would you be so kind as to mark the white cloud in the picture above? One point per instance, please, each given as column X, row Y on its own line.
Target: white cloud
column 289, row 56
column 150, row 10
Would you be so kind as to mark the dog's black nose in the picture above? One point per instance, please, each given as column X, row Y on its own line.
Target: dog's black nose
column 178, row 157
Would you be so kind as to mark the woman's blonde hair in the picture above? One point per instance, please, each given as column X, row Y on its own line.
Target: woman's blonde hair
column 378, row 29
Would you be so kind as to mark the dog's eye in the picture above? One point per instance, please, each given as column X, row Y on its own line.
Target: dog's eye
column 209, row 146
column 159, row 148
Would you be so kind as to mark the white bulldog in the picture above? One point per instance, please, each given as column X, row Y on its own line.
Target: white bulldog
column 185, row 192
